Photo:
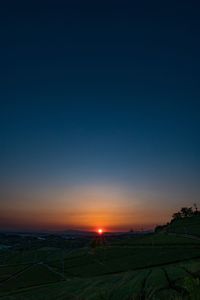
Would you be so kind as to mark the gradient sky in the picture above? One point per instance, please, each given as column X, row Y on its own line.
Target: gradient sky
column 100, row 113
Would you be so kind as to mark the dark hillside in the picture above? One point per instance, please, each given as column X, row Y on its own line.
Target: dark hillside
column 187, row 225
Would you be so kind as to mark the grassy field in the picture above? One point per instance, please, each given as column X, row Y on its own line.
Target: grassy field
column 155, row 266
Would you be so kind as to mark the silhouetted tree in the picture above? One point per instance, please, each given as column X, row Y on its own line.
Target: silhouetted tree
column 196, row 211
column 195, row 207
column 177, row 216
column 186, row 212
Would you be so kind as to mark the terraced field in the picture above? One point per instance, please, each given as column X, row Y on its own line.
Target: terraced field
column 157, row 266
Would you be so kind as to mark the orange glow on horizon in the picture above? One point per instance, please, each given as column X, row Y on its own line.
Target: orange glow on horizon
column 90, row 208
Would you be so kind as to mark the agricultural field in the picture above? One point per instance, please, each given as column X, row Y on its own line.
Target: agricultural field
column 154, row 266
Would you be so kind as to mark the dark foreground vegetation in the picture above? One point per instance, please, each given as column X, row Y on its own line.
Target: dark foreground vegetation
column 161, row 265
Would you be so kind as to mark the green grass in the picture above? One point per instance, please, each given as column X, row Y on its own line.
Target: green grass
column 120, row 259
column 157, row 239
column 131, row 270
column 8, row 270
column 116, row 287
column 33, row 275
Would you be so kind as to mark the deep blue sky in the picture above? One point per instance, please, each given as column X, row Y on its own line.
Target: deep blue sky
column 101, row 92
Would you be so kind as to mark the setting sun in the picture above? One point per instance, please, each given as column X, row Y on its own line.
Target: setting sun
column 100, row 231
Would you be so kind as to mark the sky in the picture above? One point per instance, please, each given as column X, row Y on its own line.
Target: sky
column 99, row 113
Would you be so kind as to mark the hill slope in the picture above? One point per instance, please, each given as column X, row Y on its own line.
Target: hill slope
column 189, row 225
